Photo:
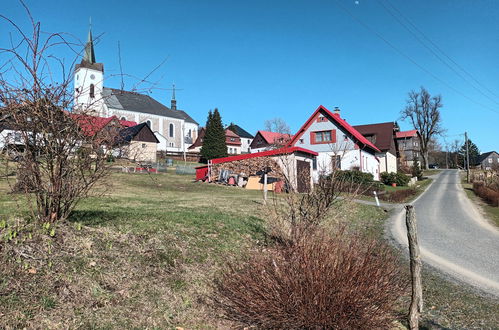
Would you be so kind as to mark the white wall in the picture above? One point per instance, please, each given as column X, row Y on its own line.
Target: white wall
column 245, row 145
column 83, row 78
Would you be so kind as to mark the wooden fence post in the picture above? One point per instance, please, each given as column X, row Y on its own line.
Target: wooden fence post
column 416, row 307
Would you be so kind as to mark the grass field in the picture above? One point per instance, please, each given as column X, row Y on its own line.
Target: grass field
column 140, row 256
column 143, row 256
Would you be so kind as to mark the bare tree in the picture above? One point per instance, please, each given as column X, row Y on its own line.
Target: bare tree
column 277, row 125
column 423, row 110
column 59, row 156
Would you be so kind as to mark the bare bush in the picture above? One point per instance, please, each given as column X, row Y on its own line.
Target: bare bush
column 342, row 281
column 487, row 194
column 58, row 161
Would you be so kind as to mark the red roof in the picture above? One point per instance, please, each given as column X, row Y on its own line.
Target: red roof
column 93, row 124
column 273, row 137
column 406, row 134
column 336, row 117
column 280, row 151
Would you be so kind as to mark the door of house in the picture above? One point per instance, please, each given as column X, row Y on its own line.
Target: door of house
column 303, row 176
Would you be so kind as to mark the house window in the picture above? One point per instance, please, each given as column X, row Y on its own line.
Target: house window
column 189, row 134
column 92, row 90
column 314, row 163
column 301, row 141
column 148, row 123
column 143, row 145
column 171, row 130
column 323, row 137
column 123, row 118
column 415, row 143
column 249, row 141
column 232, row 139
column 490, row 160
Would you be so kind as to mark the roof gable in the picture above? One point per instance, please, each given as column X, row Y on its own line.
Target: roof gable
column 338, row 121
column 383, row 134
column 141, row 132
column 485, row 155
column 242, row 133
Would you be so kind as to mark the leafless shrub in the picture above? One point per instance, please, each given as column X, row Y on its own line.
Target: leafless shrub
column 342, row 281
column 487, row 194
column 58, row 161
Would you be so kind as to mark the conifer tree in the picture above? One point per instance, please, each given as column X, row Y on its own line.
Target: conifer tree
column 214, row 140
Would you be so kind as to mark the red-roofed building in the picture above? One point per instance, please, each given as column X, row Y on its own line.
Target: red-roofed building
column 232, row 140
column 409, row 144
column 265, row 140
column 337, row 143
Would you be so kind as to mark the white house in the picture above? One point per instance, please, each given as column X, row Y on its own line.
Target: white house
column 174, row 128
column 337, row 143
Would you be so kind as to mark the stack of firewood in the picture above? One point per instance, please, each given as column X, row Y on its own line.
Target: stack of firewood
column 248, row 167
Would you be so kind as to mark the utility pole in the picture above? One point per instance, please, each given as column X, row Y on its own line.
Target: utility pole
column 467, row 158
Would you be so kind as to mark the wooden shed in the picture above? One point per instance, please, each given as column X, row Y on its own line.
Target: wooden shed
column 292, row 165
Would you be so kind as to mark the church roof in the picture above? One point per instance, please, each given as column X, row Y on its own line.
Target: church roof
column 136, row 102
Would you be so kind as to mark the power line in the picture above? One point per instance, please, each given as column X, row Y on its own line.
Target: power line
column 412, row 60
column 440, row 50
column 432, row 51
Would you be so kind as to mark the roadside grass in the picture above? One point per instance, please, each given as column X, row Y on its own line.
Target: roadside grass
column 490, row 212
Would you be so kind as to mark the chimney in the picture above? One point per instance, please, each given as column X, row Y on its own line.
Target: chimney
column 337, row 111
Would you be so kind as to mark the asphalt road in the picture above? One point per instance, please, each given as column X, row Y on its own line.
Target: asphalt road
column 453, row 235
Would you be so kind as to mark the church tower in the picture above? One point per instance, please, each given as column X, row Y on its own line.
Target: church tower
column 89, row 81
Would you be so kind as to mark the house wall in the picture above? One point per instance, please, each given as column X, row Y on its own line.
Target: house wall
column 83, row 78
column 387, row 162
column 491, row 161
column 233, row 149
column 245, row 145
column 289, row 168
column 344, row 147
column 142, row 151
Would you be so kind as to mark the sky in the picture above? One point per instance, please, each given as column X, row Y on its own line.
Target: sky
column 257, row 60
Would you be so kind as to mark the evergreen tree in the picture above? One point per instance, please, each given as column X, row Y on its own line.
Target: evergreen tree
column 214, row 139
column 474, row 153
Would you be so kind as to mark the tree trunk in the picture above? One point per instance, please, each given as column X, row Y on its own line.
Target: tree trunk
column 416, row 306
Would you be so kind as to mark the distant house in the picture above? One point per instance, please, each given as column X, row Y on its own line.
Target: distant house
column 337, row 143
column 246, row 138
column 488, row 160
column 409, row 143
column 383, row 136
column 232, row 140
column 138, row 143
column 265, row 140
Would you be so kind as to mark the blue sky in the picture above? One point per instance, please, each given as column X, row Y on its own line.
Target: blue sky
column 255, row 60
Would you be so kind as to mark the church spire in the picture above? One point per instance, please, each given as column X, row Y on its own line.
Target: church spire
column 89, row 55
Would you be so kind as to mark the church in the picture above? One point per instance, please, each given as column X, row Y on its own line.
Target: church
column 174, row 128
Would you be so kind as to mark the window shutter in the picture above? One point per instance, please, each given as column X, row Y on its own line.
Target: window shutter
column 333, row 136
column 312, row 137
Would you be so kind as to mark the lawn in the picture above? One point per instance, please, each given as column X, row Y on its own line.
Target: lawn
column 143, row 254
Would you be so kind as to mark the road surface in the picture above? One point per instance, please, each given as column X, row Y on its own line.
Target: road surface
column 453, row 235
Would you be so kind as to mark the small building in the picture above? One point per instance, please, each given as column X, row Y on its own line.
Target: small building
column 265, row 140
column 338, row 144
column 409, row 144
column 382, row 135
column 232, row 140
column 246, row 137
column 290, row 165
column 488, row 161
column 138, row 143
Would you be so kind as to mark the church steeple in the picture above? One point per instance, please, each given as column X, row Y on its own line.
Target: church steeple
column 89, row 55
